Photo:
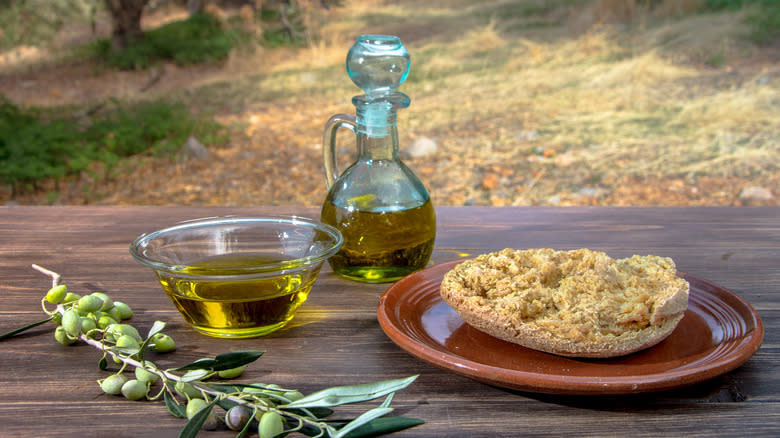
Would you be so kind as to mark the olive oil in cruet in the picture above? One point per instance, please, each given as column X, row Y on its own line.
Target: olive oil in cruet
column 380, row 206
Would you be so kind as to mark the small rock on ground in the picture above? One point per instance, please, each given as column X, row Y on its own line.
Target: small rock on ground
column 421, row 147
column 756, row 193
column 193, row 148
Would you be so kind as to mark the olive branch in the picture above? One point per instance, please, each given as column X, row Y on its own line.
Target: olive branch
column 97, row 320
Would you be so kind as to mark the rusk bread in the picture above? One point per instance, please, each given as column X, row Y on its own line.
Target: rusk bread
column 578, row 303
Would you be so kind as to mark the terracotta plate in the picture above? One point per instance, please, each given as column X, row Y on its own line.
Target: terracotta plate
column 720, row 331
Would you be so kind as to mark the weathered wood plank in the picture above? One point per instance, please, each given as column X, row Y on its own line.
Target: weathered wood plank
column 336, row 339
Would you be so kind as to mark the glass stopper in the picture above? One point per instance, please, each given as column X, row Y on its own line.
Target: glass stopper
column 378, row 64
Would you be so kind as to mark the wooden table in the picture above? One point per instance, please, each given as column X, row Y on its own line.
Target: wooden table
column 47, row 389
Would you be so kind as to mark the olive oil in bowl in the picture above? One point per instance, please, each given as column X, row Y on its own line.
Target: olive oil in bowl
column 217, row 297
column 238, row 277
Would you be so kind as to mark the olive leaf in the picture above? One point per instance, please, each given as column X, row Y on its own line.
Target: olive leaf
column 383, row 425
column 157, row 327
column 174, row 408
column 362, row 419
column 310, row 430
column 235, row 359
column 339, row 395
column 26, row 327
column 227, row 388
column 224, row 361
column 200, row 364
column 317, row 413
column 226, row 404
column 253, row 385
column 193, row 375
column 388, row 400
column 193, row 426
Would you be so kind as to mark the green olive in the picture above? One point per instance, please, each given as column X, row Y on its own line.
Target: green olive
column 237, row 417
column 108, row 334
column 57, row 294
column 231, row 373
column 194, row 406
column 111, row 332
column 135, row 389
column 105, row 299
column 127, row 329
column 188, row 390
column 163, row 343
column 56, row 318
column 89, row 303
column 87, row 324
column 271, row 424
column 145, row 376
column 97, row 315
column 62, row 337
column 125, row 341
column 71, row 297
column 123, row 309
column 106, row 321
column 113, row 384
column 71, row 322
column 114, row 314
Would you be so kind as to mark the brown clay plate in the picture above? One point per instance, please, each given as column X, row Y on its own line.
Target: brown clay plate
column 720, row 332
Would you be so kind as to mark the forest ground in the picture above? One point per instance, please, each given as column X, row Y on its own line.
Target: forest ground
column 553, row 105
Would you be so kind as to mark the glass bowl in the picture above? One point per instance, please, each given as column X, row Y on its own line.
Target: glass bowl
column 238, row 277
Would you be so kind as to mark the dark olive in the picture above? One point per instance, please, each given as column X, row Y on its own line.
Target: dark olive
column 237, row 417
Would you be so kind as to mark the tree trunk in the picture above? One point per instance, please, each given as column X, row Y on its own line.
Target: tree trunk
column 194, row 6
column 126, row 20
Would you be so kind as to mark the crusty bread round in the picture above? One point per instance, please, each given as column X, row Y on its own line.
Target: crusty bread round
column 578, row 303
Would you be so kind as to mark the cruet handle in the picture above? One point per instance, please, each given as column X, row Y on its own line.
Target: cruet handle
column 329, row 144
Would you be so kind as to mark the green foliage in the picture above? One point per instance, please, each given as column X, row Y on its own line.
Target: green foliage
column 36, row 22
column 27, row 152
column 716, row 60
column 765, row 23
column 199, row 38
column 34, row 147
column 733, row 5
column 763, row 17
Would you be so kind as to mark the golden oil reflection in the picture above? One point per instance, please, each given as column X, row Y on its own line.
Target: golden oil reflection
column 308, row 315
column 447, row 255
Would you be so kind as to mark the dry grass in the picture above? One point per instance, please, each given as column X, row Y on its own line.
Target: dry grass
column 535, row 102
column 619, row 102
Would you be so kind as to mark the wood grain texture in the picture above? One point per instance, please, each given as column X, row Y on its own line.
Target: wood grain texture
column 49, row 390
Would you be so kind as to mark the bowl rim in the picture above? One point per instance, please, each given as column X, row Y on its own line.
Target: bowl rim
column 238, row 219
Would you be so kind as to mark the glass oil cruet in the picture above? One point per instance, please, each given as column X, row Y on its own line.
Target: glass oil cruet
column 379, row 205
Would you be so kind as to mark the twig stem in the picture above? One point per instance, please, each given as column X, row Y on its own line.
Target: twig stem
column 55, row 277
column 126, row 360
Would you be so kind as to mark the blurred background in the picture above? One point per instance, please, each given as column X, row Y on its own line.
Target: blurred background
column 532, row 102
